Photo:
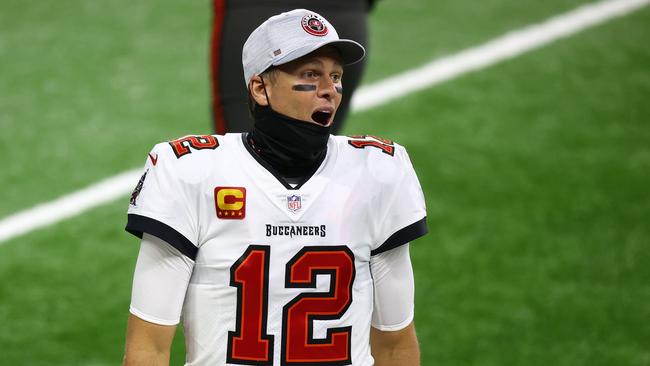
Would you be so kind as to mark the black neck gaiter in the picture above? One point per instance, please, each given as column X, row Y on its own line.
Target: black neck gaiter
column 294, row 148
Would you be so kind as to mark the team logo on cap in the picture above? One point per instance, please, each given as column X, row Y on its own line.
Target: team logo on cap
column 314, row 25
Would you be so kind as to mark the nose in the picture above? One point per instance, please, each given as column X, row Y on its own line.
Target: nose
column 327, row 88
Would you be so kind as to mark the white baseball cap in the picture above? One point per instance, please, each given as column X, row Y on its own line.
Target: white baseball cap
column 285, row 37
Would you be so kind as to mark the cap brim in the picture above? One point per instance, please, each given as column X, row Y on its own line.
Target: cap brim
column 351, row 51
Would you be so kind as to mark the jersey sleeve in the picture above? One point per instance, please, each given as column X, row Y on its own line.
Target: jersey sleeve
column 161, row 203
column 405, row 215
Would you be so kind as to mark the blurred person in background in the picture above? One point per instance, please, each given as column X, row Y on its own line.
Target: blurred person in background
column 234, row 20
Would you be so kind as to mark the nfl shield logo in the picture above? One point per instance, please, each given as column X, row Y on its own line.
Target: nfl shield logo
column 293, row 203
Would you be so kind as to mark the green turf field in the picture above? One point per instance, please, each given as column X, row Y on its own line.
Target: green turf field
column 536, row 173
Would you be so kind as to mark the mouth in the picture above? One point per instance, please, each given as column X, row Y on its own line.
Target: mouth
column 322, row 116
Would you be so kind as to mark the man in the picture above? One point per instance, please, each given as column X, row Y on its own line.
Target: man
column 285, row 245
column 234, row 20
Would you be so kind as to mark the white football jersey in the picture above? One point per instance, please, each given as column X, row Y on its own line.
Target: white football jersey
column 281, row 273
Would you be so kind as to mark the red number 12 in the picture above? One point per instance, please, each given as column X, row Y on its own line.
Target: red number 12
column 249, row 344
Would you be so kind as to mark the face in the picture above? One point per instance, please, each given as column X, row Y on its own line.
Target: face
column 308, row 89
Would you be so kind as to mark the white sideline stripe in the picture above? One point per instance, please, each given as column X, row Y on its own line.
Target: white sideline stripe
column 508, row 46
column 505, row 47
column 69, row 205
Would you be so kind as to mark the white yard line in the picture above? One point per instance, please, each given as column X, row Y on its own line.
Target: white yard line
column 68, row 206
column 503, row 48
column 508, row 46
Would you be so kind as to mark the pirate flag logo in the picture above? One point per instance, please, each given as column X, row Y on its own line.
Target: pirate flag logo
column 314, row 25
column 138, row 188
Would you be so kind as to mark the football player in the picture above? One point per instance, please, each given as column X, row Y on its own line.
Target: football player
column 284, row 245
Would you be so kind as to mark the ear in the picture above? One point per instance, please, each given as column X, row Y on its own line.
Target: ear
column 256, row 87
